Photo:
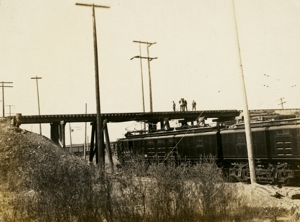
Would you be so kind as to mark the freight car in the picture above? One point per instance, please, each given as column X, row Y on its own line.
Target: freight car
column 276, row 149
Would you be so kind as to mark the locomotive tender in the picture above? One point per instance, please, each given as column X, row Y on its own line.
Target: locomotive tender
column 276, row 149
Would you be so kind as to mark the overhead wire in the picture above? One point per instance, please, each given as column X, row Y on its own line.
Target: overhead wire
column 181, row 139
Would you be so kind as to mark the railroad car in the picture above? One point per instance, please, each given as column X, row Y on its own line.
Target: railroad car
column 178, row 146
column 276, row 149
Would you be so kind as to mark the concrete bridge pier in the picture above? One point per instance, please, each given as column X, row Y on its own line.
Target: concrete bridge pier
column 57, row 133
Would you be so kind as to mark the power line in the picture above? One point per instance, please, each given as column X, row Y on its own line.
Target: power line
column 285, row 87
column 268, row 76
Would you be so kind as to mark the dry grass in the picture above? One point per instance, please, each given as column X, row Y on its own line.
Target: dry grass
column 42, row 182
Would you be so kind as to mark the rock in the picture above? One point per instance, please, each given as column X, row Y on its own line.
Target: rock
column 296, row 196
column 277, row 195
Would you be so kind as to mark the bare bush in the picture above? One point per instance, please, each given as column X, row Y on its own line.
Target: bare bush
column 138, row 192
column 130, row 191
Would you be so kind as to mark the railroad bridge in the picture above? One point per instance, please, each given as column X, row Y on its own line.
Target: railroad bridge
column 58, row 122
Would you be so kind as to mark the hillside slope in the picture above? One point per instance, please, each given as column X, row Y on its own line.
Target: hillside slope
column 32, row 164
column 21, row 151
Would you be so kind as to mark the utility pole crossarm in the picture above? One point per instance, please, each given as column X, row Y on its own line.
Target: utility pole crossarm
column 149, row 43
column 149, row 72
column 143, row 57
column 92, row 5
column 281, row 102
column 6, row 83
column 36, row 77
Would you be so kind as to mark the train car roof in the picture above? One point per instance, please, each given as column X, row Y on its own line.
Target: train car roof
column 290, row 126
column 225, row 131
column 197, row 134
column 171, row 136
column 180, row 131
column 269, row 123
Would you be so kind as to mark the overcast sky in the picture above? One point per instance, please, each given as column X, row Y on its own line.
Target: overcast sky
column 196, row 48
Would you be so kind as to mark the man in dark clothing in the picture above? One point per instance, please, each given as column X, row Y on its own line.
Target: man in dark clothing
column 194, row 105
column 185, row 105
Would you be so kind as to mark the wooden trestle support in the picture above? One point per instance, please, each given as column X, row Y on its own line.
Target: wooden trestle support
column 94, row 147
column 57, row 135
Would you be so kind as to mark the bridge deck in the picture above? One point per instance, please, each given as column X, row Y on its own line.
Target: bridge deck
column 152, row 117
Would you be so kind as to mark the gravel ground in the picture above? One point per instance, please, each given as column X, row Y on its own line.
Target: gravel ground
column 273, row 199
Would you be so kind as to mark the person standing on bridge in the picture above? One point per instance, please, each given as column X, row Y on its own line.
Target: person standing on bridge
column 181, row 104
column 174, row 106
column 194, row 105
column 185, row 104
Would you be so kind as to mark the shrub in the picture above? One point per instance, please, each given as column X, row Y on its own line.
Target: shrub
column 78, row 191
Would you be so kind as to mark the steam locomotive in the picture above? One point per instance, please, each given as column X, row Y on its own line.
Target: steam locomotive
column 276, row 148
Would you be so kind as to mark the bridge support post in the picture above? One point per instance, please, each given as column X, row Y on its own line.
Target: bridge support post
column 151, row 127
column 54, row 132
column 57, row 133
column 62, row 136
column 108, row 149
column 93, row 145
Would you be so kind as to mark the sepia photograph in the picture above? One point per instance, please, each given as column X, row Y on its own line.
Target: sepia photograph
column 150, row 110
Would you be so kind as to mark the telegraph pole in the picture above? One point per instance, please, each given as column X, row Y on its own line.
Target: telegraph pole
column 141, row 64
column 84, row 151
column 281, row 102
column 3, row 104
column 10, row 109
column 149, row 72
column 38, row 97
column 245, row 110
column 100, row 144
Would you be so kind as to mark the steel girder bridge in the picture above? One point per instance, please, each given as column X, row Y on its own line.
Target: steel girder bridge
column 58, row 122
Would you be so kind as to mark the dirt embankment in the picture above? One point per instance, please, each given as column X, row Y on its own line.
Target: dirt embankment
column 272, row 197
column 33, row 163
column 21, row 151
